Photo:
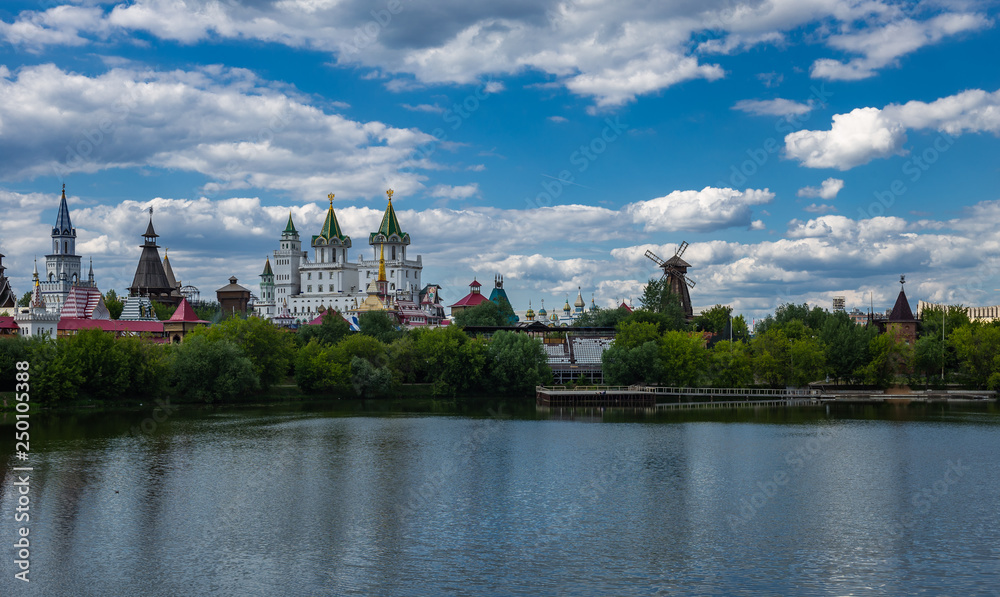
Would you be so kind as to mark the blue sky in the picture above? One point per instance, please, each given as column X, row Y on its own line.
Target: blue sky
column 804, row 149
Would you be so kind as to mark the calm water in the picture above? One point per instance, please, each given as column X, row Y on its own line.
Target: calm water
column 280, row 502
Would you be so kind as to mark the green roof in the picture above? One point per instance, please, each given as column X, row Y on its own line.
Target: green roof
column 267, row 268
column 331, row 228
column 290, row 227
column 390, row 225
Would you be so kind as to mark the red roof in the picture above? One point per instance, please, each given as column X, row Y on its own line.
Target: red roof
column 185, row 313
column 319, row 318
column 475, row 283
column 111, row 325
column 471, row 300
column 8, row 323
column 624, row 306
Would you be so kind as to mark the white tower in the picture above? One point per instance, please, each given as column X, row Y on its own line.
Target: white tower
column 62, row 266
column 287, row 261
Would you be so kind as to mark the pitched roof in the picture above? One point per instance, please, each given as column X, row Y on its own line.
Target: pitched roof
column 390, row 225
column 169, row 271
column 267, row 268
column 901, row 310
column 471, row 300
column 185, row 312
column 111, row 325
column 289, row 227
column 63, row 224
column 149, row 229
column 331, row 228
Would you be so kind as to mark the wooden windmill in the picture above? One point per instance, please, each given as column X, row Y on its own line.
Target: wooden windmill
column 675, row 270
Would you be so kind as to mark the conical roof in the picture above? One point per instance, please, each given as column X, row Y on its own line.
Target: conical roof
column 390, row 225
column 150, row 278
column 63, row 224
column 169, row 271
column 267, row 268
column 150, row 233
column 579, row 299
column 185, row 312
column 331, row 228
column 289, row 227
column 901, row 310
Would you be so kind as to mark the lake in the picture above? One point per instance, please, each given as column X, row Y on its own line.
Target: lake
column 304, row 501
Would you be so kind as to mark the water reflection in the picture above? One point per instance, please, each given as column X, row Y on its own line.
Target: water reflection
column 302, row 501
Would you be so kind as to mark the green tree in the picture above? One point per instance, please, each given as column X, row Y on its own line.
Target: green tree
column 683, row 358
column 626, row 366
column 846, row 345
column 55, row 378
column 452, row 361
column 517, row 363
column 211, row 312
column 271, row 350
column 316, row 370
column 601, row 318
column 404, row 359
column 13, row 349
column 889, row 358
column 203, row 369
column 929, row 357
column 636, row 333
column 930, row 321
column 714, row 320
column 368, row 380
column 331, row 329
column 808, row 361
column 730, row 365
column 380, row 325
column 771, row 358
column 977, row 346
column 163, row 311
column 113, row 303
column 486, row 313
column 658, row 298
column 25, row 299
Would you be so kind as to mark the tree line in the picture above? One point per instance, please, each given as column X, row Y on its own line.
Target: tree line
column 237, row 357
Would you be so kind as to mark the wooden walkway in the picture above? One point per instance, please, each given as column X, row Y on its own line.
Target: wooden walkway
column 650, row 397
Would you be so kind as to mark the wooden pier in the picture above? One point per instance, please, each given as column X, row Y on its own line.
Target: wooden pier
column 671, row 397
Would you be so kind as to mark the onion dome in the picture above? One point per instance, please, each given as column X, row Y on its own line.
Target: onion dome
column 542, row 313
column 566, row 308
column 530, row 313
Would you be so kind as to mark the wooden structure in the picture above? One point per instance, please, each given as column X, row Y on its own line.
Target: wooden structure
column 675, row 271
column 233, row 298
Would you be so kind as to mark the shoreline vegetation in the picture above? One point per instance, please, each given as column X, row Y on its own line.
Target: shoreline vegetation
column 249, row 360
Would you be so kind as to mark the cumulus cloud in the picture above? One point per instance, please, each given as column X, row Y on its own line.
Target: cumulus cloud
column 827, row 190
column 865, row 134
column 707, row 209
column 773, row 107
column 225, row 123
column 611, row 52
column 443, row 191
column 855, row 138
column 881, row 46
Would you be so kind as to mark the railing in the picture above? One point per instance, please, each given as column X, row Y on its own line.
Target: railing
column 686, row 391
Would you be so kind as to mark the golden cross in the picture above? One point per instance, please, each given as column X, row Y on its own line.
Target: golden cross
column 389, row 193
column 330, row 197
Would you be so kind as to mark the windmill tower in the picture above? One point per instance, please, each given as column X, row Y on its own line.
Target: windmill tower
column 675, row 270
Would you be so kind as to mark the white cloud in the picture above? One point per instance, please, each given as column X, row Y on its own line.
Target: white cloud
column 443, row 191
column 773, row 107
column 611, row 52
column 819, row 208
column 883, row 45
column 865, row 134
column 424, row 108
column 559, row 119
column 855, row 138
column 827, row 190
column 237, row 130
column 707, row 209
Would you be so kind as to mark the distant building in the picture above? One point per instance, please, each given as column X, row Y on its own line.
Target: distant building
column 474, row 298
column 63, row 269
column 150, row 278
column 233, row 298
column 839, row 303
column 36, row 319
column 984, row 314
column 8, row 300
column 181, row 322
column 900, row 322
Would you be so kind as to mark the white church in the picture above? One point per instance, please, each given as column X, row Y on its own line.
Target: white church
column 291, row 281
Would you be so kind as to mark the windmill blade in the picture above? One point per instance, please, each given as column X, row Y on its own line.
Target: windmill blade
column 680, row 250
column 688, row 281
column 655, row 258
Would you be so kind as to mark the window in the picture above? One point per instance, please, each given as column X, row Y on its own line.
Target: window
column 309, row 288
column 320, row 288
column 309, row 276
column 321, row 275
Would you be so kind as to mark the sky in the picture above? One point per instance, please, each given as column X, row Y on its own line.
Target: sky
column 805, row 149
